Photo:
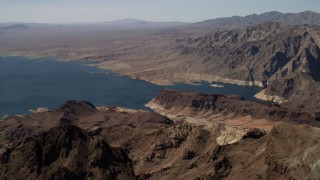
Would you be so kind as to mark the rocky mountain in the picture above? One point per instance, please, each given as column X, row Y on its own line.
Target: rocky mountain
column 198, row 136
column 64, row 152
column 302, row 18
column 283, row 59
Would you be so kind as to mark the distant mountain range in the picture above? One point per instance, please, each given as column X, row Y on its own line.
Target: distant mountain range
column 302, row 18
column 129, row 22
column 14, row 27
column 118, row 24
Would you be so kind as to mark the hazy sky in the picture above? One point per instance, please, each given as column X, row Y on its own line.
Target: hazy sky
column 156, row 10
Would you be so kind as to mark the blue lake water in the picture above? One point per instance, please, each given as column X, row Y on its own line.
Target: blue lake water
column 31, row 83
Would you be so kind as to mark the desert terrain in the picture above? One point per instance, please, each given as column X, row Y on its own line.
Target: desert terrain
column 197, row 136
column 273, row 50
column 184, row 135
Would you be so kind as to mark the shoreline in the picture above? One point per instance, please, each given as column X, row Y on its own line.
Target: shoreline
column 276, row 99
column 209, row 79
column 189, row 78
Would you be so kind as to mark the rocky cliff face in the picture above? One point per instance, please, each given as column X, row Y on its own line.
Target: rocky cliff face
column 284, row 59
column 64, row 152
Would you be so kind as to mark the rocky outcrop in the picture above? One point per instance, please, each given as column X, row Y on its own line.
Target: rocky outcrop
column 76, row 108
column 39, row 110
column 195, row 103
column 65, row 152
column 255, row 133
column 282, row 162
column 72, row 109
column 281, row 154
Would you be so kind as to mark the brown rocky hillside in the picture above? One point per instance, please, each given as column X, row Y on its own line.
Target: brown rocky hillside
column 64, row 152
column 284, row 59
column 200, row 136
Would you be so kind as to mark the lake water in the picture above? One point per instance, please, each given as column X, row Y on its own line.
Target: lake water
column 28, row 84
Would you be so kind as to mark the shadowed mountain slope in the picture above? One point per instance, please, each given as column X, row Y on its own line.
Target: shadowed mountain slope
column 64, row 152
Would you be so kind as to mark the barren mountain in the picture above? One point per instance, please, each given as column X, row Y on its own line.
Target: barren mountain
column 281, row 58
column 302, row 18
column 209, row 136
column 284, row 59
column 64, row 152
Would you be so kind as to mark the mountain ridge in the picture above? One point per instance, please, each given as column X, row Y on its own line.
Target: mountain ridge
column 64, row 152
column 284, row 59
column 301, row 18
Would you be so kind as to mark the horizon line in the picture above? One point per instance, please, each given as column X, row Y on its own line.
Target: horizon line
column 145, row 20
